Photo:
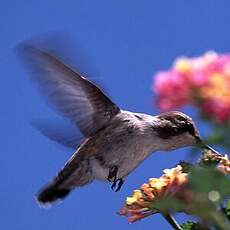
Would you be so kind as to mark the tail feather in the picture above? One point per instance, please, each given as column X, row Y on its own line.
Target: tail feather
column 76, row 173
column 52, row 193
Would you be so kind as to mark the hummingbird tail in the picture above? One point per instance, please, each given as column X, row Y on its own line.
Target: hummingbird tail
column 52, row 193
column 76, row 173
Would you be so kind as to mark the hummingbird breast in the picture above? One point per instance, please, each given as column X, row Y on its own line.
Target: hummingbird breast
column 124, row 143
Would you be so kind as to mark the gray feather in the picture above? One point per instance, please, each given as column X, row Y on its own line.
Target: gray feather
column 73, row 95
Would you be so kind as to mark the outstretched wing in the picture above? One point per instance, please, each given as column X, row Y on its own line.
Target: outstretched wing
column 73, row 95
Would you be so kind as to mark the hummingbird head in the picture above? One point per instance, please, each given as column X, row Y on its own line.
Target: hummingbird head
column 176, row 129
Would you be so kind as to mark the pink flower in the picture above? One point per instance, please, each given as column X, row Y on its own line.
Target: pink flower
column 201, row 81
column 219, row 110
column 167, row 83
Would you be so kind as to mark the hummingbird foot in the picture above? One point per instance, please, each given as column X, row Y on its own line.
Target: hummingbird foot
column 112, row 177
column 120, row 182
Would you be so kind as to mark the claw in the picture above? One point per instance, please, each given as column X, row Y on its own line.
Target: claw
column 120, row 183
column 112, row 177
column 114, row 185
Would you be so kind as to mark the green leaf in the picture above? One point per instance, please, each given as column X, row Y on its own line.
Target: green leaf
column 206, row 180
column 210, row 187
column 186, row 167
column 228, row 205
column 193, row 226
column 227, row 210
column 168, row 203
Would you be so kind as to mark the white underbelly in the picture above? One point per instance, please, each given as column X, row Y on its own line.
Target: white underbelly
column 99, row 172
column 126, row 158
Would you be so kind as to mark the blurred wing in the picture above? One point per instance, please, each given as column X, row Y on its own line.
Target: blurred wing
column 73, row 95
column 59, row 132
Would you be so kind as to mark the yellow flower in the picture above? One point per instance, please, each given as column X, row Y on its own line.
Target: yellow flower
column 182, row 178
column 172, row 172
column 137, row 206
column 217, row 88
column 182, row 65
column 134, row 198
column 217, row 79
column 157, row 184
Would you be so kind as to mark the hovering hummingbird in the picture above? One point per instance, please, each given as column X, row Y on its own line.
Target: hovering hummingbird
column 116, row 141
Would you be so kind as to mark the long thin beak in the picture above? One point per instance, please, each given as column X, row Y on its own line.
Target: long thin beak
column 202, row 145
column 210, row 148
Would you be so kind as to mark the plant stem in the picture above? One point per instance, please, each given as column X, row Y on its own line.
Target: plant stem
column 171, row 221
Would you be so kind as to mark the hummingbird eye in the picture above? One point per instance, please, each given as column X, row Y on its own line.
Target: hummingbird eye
column 187, row 126
column 174, row 124
column 190, row 128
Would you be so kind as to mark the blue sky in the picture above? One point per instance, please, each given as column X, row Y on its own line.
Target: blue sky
column 120, row 44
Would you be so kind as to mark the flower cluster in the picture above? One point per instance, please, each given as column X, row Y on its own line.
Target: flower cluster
column 137, row 206
column 173, row 183
column 203, row 81
column 223, row 163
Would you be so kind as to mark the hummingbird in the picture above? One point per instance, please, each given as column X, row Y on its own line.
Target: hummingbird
column 115, row 141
